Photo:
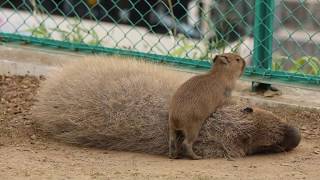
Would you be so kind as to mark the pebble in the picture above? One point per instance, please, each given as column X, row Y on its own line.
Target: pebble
column 284, row 164
column 33, row 137
column 303, row 128
column 270, row 93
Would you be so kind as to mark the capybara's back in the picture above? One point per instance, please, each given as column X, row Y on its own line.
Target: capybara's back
column 95, row 101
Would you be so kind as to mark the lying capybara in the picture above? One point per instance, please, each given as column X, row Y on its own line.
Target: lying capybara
column 122, row 104
column 200, row 96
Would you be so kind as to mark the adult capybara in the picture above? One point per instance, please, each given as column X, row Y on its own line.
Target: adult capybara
column 122, row 104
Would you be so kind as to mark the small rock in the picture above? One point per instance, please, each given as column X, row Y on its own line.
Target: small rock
column 270, row 93
column 284, row 164
column 316, row 152
column 303, row 128
column 41, row 77
column 27, row 174
column 230, row 159
column 24, row 87
column 33, row 137
column 272, row 88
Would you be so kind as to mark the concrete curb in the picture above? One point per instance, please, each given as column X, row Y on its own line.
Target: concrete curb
column 33, row 61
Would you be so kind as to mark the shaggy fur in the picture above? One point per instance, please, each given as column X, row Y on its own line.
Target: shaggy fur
column 122, row 104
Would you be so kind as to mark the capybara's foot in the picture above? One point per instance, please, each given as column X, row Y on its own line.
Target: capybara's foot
column 173, row 156
column 173, row 149
column 188, row 151
column 195, row 157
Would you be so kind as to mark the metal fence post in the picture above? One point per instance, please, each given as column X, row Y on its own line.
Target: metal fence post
column 263, row 36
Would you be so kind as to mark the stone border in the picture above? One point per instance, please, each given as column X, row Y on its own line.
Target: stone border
column 22, row 60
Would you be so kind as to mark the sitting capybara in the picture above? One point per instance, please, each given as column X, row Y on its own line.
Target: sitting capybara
column 200, row 96
column 122, row 104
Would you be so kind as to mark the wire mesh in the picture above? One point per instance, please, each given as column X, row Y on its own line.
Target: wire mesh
column 279, row 39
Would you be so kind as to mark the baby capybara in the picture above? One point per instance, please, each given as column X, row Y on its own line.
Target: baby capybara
column 200, row 96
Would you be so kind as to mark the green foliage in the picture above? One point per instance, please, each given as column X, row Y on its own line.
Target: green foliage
column 185, row 47
column 279, row 62
column 76, row 34
column 40, row 31
column 235, row 49
column 307, row 65
column 303, row 65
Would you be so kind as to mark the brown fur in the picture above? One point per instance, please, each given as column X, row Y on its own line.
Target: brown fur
column 122, row 104
column 200, row 96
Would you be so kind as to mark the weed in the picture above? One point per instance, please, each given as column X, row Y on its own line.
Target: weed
column 40, row 31
column 305, row 65
column 76, row 34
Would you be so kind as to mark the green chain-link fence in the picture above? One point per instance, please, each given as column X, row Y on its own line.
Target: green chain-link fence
column 279, row 39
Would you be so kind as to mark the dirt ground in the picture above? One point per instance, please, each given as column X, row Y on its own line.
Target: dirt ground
column 23, row 155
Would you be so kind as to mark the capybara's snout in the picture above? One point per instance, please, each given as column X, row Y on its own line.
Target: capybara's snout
column 291, row 138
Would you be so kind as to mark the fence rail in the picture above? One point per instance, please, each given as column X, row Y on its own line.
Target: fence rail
column 278, row 38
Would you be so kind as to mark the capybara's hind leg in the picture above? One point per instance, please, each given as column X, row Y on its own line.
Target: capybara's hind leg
column 190, row 137
column 173, row 148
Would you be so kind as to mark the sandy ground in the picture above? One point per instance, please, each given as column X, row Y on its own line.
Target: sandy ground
column 23, row 155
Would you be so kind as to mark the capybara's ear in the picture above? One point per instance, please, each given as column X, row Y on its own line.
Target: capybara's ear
column 224, row 59
column 215, row 59
column 247, row 110
column 221, row 59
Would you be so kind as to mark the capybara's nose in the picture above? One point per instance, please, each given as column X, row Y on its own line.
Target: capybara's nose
column 291, row 138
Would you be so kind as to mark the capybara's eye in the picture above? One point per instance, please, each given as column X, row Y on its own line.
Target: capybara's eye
column 247, row 110
column 238, row 59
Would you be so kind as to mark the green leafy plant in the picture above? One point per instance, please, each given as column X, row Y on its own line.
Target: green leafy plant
column 183, row 48
column 305, row 65
column 78, row 34
column 40, row 31
column 190, row 49
column 278, row 63
column 236, row 48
